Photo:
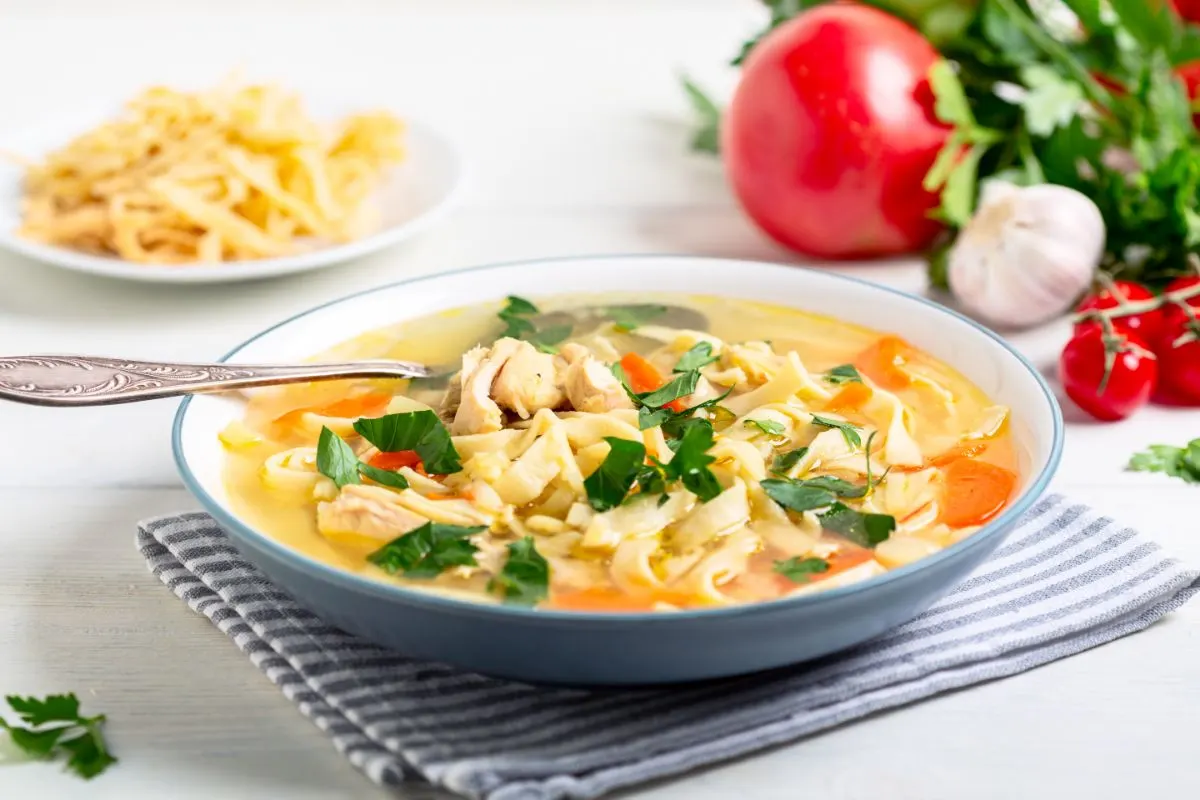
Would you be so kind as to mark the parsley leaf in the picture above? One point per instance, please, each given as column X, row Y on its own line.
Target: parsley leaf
column 421, row 431
column 514, row 314
column 700, row 355
column 796, row 496
column 53, row 726
column 849, row 432
column 768, row 427
column 801, row 570
column 612, row 480
column 681, row 385
column 427, row 551
column 866, row 530
column 1177, row 462
column 336, row 459
column 517, row 325
column 385, row 477
column 844, row 373
column 785, row 461
column 54, row 708
column 628, row 318
column 1053, row 101
column 691, row 461
column 525, row 578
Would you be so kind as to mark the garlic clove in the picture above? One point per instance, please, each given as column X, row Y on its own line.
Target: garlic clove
column 1027, row 254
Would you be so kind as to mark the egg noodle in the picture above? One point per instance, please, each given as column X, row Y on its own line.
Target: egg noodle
column 235, row 172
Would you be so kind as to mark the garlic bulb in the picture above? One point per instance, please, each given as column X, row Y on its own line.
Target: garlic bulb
column 1027, row 254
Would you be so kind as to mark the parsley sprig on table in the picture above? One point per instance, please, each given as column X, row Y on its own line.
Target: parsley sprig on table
column 1177, row 462
column 53, row 728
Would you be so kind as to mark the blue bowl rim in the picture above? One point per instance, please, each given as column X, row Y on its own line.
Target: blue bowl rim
column 360, row 584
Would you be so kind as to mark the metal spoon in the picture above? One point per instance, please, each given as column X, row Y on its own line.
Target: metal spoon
column 99, row 381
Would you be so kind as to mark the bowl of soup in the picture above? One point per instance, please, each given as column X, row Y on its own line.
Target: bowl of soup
column 626, row 470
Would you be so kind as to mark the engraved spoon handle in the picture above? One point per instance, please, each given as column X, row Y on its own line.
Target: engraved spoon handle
column 92, row 381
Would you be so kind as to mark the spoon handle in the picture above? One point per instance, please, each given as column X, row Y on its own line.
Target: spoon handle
column 91, row 381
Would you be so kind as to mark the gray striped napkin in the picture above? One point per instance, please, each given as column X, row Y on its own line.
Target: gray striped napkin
column 1066, row 580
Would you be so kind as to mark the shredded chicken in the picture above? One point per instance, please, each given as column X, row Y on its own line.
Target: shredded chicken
column 512, row 375
column 368, row 511
column 528, row 382
column 477, row 411
column 592, row 387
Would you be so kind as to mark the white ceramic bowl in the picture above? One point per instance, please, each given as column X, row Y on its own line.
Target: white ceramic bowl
column 414, row 195
column 631, row 648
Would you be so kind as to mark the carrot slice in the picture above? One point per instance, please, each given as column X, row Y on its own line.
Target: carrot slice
column 960, row 450
column 643, row 377
column 975, row 491
column 373, row 404
column 851, row 397
column 394, row 461
column 883, row 362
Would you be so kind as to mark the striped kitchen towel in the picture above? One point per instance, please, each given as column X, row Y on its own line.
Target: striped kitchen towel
column 1067, row 579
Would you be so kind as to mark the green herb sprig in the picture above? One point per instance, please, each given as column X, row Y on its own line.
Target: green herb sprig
column 53, row 727
column 516, row 316
column 1177, row 462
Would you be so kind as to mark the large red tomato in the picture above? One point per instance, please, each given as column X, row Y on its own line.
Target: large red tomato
column 1188, row 9
column 831, row 131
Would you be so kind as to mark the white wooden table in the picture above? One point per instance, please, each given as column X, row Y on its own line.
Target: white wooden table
column 571, row 116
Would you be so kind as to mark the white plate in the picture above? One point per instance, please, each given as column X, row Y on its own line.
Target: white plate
column 414, row 195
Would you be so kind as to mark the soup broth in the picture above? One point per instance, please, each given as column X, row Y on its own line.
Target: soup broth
column 626, row 454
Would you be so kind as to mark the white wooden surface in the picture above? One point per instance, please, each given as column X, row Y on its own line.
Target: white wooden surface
column 571, row 116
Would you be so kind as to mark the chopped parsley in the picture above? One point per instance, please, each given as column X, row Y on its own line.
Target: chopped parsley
column 53, row 727
column 612, row 480
column 336, row 459
column 625, row 468
column 420, row 431
column 1177, row 462
column 700, row 355
column 797, row 496
column 427, row 551
column 516, row 316
column 525, row 578
column 801, row 570
column 384, row 477
column 867, row 530
column 628, row 318
column 767, row 427
column 849, row 432
column 785, row 461
column 682, row 385
column 691, row 461
column 843, row 373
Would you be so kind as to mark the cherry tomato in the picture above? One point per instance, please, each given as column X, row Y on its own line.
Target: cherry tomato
column 1188, row 9
column 1180, row 368
column 1190, row 73
column 1145, row 326
column 1130, row 383
column 1179, row 344
column 831, row 131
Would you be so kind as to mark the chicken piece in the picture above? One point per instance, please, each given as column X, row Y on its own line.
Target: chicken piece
column 477, row 412
column 592, row 387
column 528, row 382
column 368, row 511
